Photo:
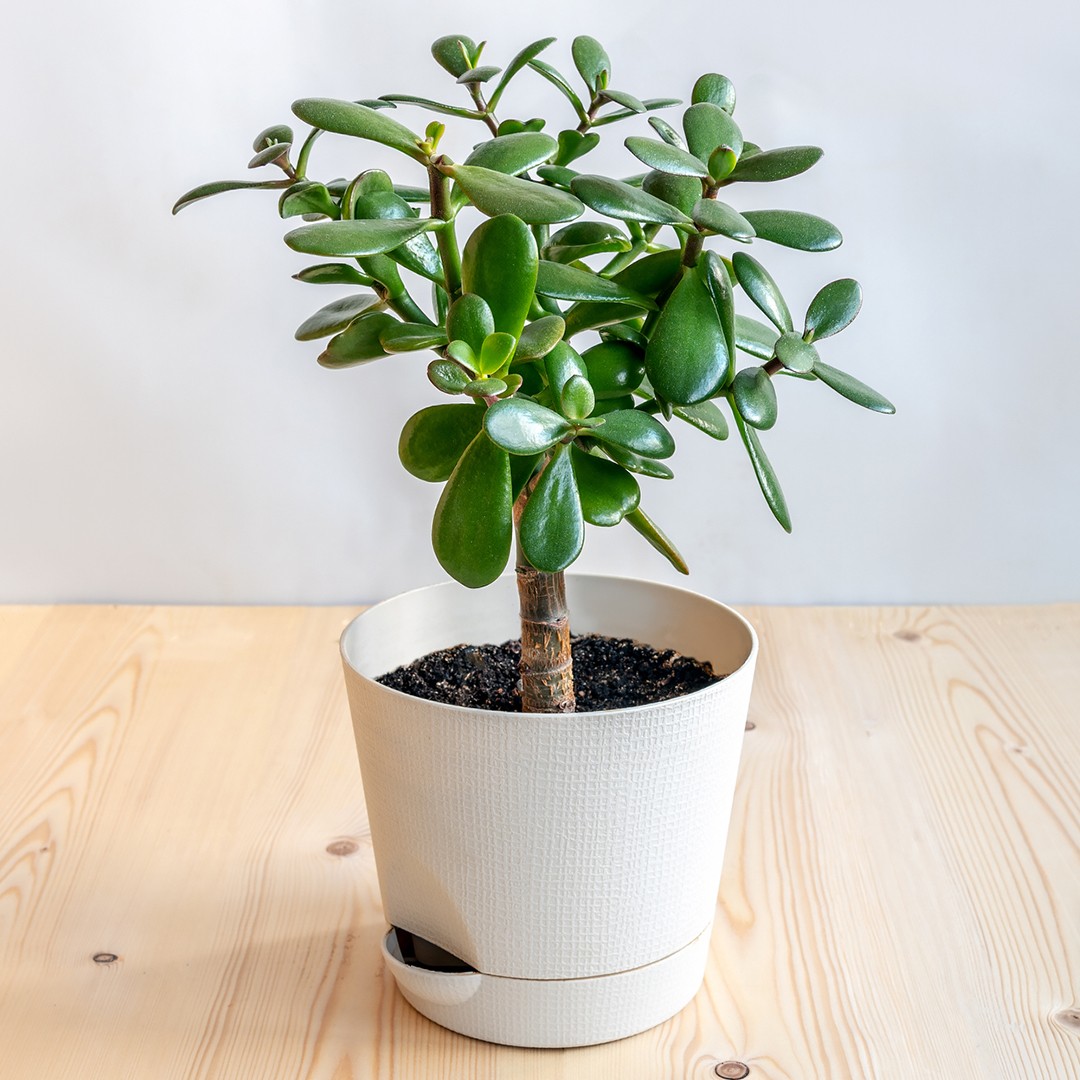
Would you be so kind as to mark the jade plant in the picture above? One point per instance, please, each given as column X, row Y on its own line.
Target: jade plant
column 579, row 324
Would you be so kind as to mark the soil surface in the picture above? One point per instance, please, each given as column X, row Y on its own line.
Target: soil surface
column 609, row 673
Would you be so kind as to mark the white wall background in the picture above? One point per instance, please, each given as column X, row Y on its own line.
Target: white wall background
column 163, row 438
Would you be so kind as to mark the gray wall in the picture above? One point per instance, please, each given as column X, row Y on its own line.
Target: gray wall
column 163, row 438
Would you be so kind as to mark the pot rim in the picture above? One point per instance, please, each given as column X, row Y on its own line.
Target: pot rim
column 534, row 716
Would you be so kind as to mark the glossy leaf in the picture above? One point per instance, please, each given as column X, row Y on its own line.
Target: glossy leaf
column 644, row 466
column 359, row 342
column 569, row 283
column 454, row 53
column 755, row 397
column 682, row 192
column 521, row 426
column 616, row 199
column 628, row 101
column 665, row 157
column 496, row 352
column 576, row 401
column 652, row 532
column 653, row 273
column 718, row 89
column 540, row 337
column 667, row 132
column 722, row 162
column 706, row 127
column 348, row 118
column 356, row 238
column 526, row 56
column 687, row 358
column 473, row 529
column 552, row 529
column 412, row 337
column 513, row 154
column 558, row 80
column 269, row 154
column 433, row 440
column 562, row 363
column 590, row 315
column 470, row 320
column 332, row 274
column 848, row 386
column 591, row 61
column 615, row 368
column 479, row 74
column 717, row 217
column 793, row 229
column 834, row 308
column 558, row 175
column 637, row 432
column 307, row 197
column 279, row 133
column 765, row 473
column 412, row 194
column 494, row 193
column 336, row 316
column 608, row 405
column 417, row 253
column 713, row 272
column 574, row 145
column 433, row 106
column 447, row 376
column 755, row 338
column 778, row 164
column 585, row 238
column 499, row 263
column 760, row 287
column 485, row 388
column 204, row 191
column 705, row 416
column 795, row 354
column 608, row 492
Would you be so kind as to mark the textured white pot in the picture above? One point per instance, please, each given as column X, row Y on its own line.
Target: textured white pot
column 572, row 860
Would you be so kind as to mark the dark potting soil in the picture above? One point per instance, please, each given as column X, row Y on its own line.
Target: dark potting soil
column 609, row 673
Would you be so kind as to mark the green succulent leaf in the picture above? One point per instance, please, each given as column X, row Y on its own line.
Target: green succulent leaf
column 359, row 342
column 432, row 106
column 646, row 527
column 717, row 89
column 793, row 229
column 499, row 263
column 637, row 432
column 636, row 463
column 795, row 354
column 336, row 316
column 561, row 364
column 473, row 525
column 755, row 397
column 682, row 192
column 628, row 101
column 585, row 238
column 557, row 175
column 667, row 132
column 705, row 416
column 722, row 162
column 591, row 61
column 513, row 154
column 417, row 254
column 576, row 401
column 479, row 74
column 357, row 238
column 470, row 320
column 433, row 440
column 574, row 145
column 279, row 133
column 523, row 58
column 522, row 426
column 760, row 287
column 714, row 216
column 412, row 337
column 848, row 386
column 493, row 193
column 765, row 473
column 649, row 104
column 348, row 118
column 608, row 492
column 447, row 376
column 204, row 191
column 332, row 274
column 713, row 272
column 412, row 194
column 463, row 354
column 485, row 388
column 755, row 338
column 540, row 337
column 455, row 53
column 569, row 283
column 665, row 157
column 495, row 353
column 616, row 199
column 687, row 358
column 653, row 273
column 269, row 154
column 552, row 529
column 558, row 80
column 707, row 126
column 616, row 368
column 307, row 197
column 769, row 165
column 833, row 309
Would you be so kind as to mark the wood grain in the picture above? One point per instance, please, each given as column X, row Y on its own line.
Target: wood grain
column 178, row 787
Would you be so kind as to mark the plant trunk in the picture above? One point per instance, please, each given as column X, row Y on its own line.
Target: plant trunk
column 547, row 672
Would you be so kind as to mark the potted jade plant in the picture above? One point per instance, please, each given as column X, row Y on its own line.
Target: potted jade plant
column 550, row 874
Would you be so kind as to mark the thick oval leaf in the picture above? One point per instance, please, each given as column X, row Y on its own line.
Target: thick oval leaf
column 513, row 154
column 526, row 56
column 705, row 416
column 714, row 216
column 486, row 388
column 718, row 89
column 555, row 174
column 834, row 308
column 648, row 528
column 494, row 193
column 795, row 354
column 412, row 337
column 591, row 61
column 454, row 53
column 682, row 192
column 279, row 133
column 348, row 118
column 552, row 529
column 616, row 368
column 722, row 162
column 496, row 352
column 760, row 287
column 307, row 197
column 433, row 440
column 755, row 338
column 644, row 466
column 561, row 364
column 574, row 145
column 569, row 283
column 793, row 229
column 765, row 473
column 667, row 132
column 204, row 191
column 499, row 263
column 755, row 397
column 607, row 491
column 521, row 426
column 447, row 376
column 591, row 314
column 614, row 404
column 665, row 158
column 850, row 387
column 269, row 154
column 585, row 238
column 637, row 432
column 616, row 199
column 576, row 401
column 373, row 201
column 687, row 358
column 356, row 238
column 652, row 273
column 479, row 74
column 539, row 338
column 470, row 320
column 713, row 272
column 778, row 164
column 332, row 274
column 706, row 127
column 620, row 97
column 359, row 342
column 336, row 316
column 473, row 526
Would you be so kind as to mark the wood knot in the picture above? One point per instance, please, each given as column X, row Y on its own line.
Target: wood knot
column 1068, row 1019
column 343, row 847
column 732, row 1070
column 750, row 725
column 105, row 958
column 907, row 635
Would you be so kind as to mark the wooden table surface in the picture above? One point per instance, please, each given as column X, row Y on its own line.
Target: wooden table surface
column 187, row 887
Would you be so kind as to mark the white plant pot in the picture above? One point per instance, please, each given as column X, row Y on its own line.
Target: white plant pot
column 572, row 860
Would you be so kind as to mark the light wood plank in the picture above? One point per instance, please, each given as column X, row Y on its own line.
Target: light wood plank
column 900, row 893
